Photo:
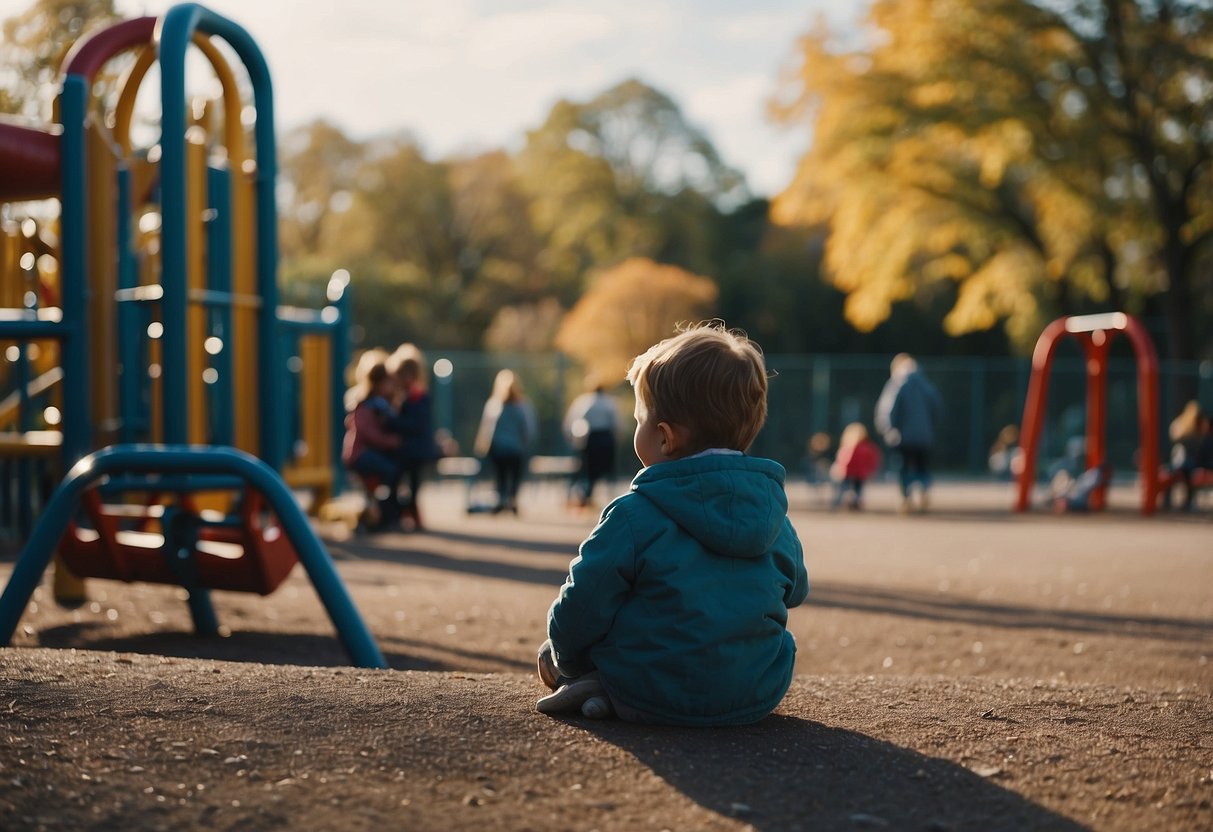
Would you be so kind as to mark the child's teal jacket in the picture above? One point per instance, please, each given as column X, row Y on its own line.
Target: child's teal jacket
column 679, row 598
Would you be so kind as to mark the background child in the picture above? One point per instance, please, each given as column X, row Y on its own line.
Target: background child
column 368, row 449
column 589, row 425
column 675, row 610
column 507, row 430
column 413, row 422
column 1192, row 449
column 858, row 459
column 819, row 451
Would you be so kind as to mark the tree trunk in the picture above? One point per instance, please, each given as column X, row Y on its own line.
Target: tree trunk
column 1181, row 332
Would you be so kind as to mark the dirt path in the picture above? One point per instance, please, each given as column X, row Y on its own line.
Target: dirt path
column 966, row 669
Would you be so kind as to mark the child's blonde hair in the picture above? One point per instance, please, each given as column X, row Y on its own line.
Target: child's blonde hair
column 506, row 387
column 408, row 358
column 708, row 379
column 370, row 369
column 852, row 435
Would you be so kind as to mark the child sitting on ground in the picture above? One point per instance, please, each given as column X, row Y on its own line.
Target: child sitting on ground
column 369, row 448
column 858, row 459
column 675, row 610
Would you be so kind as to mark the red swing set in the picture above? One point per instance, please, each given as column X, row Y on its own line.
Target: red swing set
column 1095, row 334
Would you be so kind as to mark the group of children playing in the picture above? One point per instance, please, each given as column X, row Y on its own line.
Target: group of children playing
column 389, row 435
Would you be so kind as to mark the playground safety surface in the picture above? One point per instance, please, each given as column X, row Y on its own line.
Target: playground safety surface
column 965, row 669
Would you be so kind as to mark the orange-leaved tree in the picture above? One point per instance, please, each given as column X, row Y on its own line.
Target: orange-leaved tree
column 1040, row 158
column 627, row 309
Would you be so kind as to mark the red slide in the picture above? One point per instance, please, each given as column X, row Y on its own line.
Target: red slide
column 29, row 163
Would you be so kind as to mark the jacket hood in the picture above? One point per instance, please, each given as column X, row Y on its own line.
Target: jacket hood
column 733, row 505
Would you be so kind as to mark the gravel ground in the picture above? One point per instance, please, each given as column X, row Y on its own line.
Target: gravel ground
column 965, row 669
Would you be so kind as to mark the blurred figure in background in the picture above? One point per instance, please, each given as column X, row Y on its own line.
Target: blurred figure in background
column 819, row 451
column 857, row 461
column 1006, row 459
column 907, row 415
column 589, row 427
column 507, row 432
column 369, row 448
column 413, row 423
column 1191, row 451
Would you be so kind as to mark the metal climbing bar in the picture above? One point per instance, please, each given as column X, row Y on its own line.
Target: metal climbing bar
column 157, row 461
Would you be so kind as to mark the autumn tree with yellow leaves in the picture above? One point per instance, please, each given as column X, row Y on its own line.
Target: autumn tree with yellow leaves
column 1043, row 158
column 627, row 309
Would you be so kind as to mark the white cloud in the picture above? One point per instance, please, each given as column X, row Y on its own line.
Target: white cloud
column 535, row 36
column 740, row 98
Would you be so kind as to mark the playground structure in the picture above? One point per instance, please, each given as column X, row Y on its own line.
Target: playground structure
column 151, row 328
column 1094, row 333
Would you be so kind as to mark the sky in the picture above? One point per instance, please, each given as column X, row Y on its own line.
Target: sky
column 467, row 75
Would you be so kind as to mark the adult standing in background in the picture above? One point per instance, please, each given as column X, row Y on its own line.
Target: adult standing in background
column 507, row 431
column 907, row 415
column 590, row 425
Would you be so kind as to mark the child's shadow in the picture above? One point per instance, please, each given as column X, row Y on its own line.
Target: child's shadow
column 790, row 773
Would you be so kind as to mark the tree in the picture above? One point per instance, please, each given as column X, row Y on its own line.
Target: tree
column 318, row 174
column 1045, row 158
column 627, row 309
column 622, row 175
column 35, row 42
column 451, row 239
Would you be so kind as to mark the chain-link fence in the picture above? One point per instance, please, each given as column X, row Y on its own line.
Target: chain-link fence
column 823, row 393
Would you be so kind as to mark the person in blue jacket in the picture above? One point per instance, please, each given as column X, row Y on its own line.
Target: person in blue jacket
column 908, row 413
column 675, row 610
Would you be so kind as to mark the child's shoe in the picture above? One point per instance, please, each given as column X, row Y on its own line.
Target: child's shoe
column 571, row 697
column 549, row 673
column 597, row 707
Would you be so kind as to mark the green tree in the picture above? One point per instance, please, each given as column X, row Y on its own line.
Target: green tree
column 319, row 166
column 622, row 175
column 1043, row 158
column 35, row 42
column 450, row 239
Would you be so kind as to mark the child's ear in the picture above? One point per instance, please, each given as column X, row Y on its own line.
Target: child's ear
column 674, row 439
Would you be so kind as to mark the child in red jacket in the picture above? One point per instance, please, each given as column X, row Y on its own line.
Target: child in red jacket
column 369, row 448
column 858, row 459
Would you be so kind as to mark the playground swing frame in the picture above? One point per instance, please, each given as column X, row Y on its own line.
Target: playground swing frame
column 1094, row 334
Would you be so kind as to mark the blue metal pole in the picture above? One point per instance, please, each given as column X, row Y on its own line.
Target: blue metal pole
column 184, row 459
column 77, row 386
column 341, row 349
column 34, row 559
column 25, row 496
column 176, row 30
column 131, row 371
column 219, row 279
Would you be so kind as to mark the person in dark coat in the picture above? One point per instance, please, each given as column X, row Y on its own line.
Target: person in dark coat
column 413, row 422
column 908, row 413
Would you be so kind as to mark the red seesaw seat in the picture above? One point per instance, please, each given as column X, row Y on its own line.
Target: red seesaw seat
column 244, row 552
